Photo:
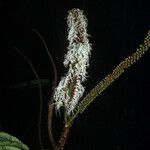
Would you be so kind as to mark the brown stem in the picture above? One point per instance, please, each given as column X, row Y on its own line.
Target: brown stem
column 50, row 104
column 50, row 117
column 63, row 138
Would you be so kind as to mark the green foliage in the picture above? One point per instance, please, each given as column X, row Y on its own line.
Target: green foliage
column 9, row 142
column 110, row 78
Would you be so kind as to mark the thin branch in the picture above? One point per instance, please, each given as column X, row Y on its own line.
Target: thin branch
column 50, row 104
column 40, row 91
column 49, row 54
column 110, row 78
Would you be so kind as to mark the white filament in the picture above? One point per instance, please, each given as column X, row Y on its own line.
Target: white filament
column 70, row 89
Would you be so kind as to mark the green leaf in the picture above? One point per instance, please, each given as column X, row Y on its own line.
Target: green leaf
column 9, row 142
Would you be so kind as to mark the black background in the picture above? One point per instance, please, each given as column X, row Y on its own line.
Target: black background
column 116, row 120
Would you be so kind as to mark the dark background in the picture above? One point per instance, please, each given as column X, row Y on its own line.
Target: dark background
column 119, row 118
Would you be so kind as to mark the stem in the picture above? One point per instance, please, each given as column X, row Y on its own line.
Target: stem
column 63, row 138
column 50, row 104
column 40, row 91
column 50, row 117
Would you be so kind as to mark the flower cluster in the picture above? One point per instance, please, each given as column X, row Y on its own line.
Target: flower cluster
column 70, row 89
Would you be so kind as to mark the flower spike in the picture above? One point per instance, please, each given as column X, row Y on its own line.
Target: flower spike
column 70, row 90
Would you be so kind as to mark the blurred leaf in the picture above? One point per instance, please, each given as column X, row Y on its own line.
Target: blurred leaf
column 9, row 142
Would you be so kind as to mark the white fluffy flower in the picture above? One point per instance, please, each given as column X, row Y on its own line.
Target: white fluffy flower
column 70, row 89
